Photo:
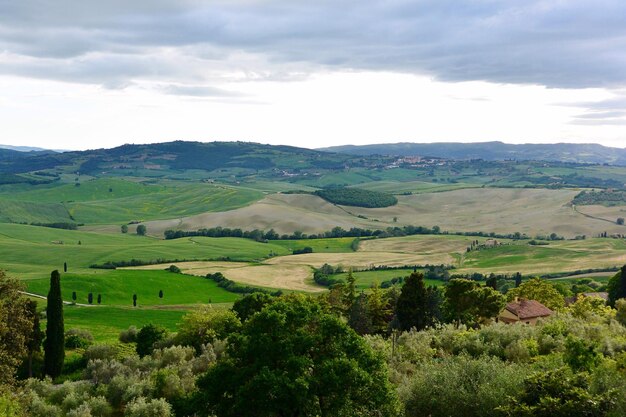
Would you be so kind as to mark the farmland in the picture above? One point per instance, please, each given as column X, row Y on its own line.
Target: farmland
column 103, row 201
column 163, row 193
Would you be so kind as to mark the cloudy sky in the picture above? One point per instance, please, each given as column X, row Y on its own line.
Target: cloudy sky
column 79, row 74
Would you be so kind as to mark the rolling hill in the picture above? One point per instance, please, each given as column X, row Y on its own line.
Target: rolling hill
column 493, row 151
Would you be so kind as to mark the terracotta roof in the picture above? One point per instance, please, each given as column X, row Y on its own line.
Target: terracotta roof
column 528, row 309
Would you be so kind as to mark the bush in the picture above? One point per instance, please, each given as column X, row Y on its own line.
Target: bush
column 174, row 269
column 9, row 407
column 147, row 337
column 620, row 315
column 129, row 335
column 306, row 249
column 140, row 407
column 78, row 338
column 205, row 325
column 101, row 351
column 461, row 386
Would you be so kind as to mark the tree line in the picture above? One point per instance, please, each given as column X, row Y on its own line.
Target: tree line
column 336, row 232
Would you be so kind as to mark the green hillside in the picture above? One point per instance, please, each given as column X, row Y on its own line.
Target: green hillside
column 32, row 252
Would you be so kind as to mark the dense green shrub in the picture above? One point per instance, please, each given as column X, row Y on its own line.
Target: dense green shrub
column 129, row 335
column 142, row 407
column 147, row 337
column 455, row 386
column 205, row 325
column 357, row 197
column 78, row 338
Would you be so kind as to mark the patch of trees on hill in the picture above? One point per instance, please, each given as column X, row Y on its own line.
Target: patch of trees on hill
column 136, row 262
column 7, row 178
column 572, row 180
column 336, row 232
column 232, row 286
column 602, row 197
column 357, row 197
column 59, row 225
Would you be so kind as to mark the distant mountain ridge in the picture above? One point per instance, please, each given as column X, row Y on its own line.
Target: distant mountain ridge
column 562, row 152
column 28, row 148
column 248, row 158
column 177, row 155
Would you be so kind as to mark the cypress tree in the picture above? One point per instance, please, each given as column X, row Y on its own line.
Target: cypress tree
column 359, row 316
column 518, row 279
column 73, row 295
column 623, row 282
column 411, row 308
column 99, row 298
column 54, row 346
column 134, row 300
column 617, row 286
column 492, row 282
column 34, row 342
column 64, row 266
column 90, row 298
column 160, row 293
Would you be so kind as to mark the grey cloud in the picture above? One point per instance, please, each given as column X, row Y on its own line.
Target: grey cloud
column 573, row 43
column 605, row 122
column 602, row 115
column 610, row 111
column 198, row 91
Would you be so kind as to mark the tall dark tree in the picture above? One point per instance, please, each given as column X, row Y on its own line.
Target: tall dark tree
column 64, row 266
column 434, row 302
column 617, row 286
column 54, row 346
column 99, row 298
column 36, row 337
column 359, row 318
column 160, row 293
column 134, row 300
column 518, row 279
column 492, row 282
column 73, row 295
column 349, row 293
column 411, row 308
column 90, row 298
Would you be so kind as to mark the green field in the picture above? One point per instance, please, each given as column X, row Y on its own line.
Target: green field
column 118, row 286
column 106, row 323
column 248, row 196
column 331, row 245
column 105, row 201
column 559, row 256
column 32, row 252
column 366, row 279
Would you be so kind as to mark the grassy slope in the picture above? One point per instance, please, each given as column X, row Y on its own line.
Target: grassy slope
column 318, row 245
column 28, row 251
column 365, row 279
column 118, row 286
column 93, row 203
column 562, row 256
column 105, row 323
